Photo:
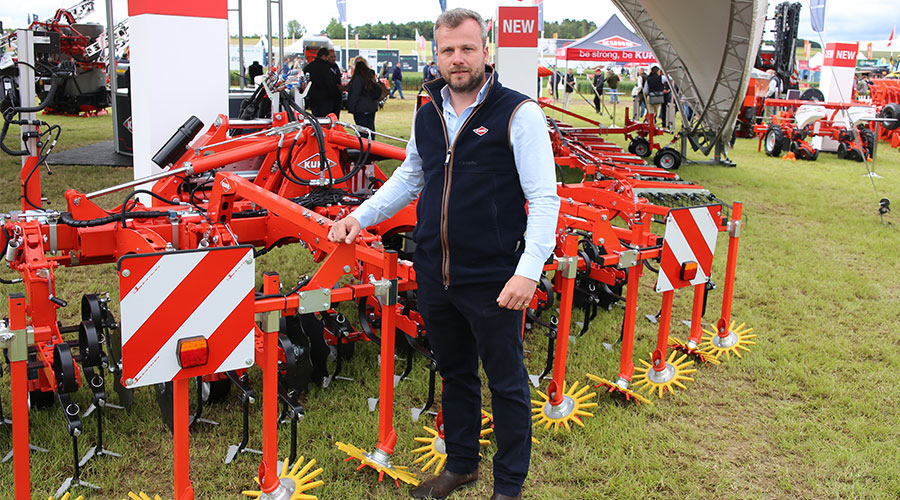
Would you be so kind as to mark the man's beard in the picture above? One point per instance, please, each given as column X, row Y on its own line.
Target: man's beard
column 475, row 81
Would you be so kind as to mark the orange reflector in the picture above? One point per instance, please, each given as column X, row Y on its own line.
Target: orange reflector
column 193, row 351
column 688, row 270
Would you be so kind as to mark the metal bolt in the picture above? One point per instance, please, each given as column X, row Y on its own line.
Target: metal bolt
column 603, row 217
column 300, row 295
column 249, row 261
column 45, row 238
column 129, row 382
column 302, row 309
column 76, row 201
column 601, row 241
column 346, row 268
column 326, row 305
column 327, row 291
column 126, row 273
column 248, row 362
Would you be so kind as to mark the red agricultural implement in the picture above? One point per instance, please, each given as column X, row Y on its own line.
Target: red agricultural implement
column 71, row 50
column 846, row 124
column 242, row 188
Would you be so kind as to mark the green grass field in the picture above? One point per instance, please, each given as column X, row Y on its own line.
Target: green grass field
column 810, row 413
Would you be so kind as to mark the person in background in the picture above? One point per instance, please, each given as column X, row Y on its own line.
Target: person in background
column 667, row 111
column 612, row 81
column 397, row 77
column 637, row 94
column 570, row 87
column 474, row 289
column 336, row 73
column 363, row 95
column 598, row 89
column 324, row 91
column 426, row 72
column 654, row 93
column 254, row 70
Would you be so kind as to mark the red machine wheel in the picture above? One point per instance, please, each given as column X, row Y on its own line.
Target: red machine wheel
column 640, row 147
column 667, row 158
column 867, row 137
column 774, row 140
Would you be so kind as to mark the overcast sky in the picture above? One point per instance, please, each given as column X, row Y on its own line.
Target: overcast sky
column 846, row 20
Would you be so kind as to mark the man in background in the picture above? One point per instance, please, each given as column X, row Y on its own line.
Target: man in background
column 324, row 91
column 397, row 77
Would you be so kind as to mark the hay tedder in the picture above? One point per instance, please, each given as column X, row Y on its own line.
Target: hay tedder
column 193, row 308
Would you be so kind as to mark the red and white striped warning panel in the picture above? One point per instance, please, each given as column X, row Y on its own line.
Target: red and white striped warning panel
column 688, row 247
column 196, row 295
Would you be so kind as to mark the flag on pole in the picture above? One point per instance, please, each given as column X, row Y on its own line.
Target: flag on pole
column 443, row 5
column 891, row 38
column 356, row 38
column 817, row 15
column 420, row 41
column 490, row 24
column 342, row 11
column 389, row 41
column 540, row 6
column 869, row 51
column 806, row 49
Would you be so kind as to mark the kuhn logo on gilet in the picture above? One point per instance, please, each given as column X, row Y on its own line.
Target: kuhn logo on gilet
column 480, row 131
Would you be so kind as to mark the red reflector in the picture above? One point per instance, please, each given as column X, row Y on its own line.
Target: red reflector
column 688, row 270
column 193, row 351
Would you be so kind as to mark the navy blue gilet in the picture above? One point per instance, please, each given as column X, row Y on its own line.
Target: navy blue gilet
column 471, row 212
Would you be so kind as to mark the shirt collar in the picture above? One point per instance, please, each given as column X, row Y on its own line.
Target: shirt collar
column 445, row 92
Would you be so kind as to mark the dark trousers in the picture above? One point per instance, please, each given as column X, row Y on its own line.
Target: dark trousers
column 365, row 120
column 398, row 87
column 464, row 324
column 320, row 107
column 597, row 103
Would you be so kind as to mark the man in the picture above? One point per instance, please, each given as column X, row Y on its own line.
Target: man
column 397, row 77
column 476, row 154
column 570, row 87
column 598, row 89
column 254, row 70
column 612, row 81
column 336, row 74
column 426, row 72
column 324, row 92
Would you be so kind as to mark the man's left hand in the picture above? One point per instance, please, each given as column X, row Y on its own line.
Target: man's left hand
column 517, row 293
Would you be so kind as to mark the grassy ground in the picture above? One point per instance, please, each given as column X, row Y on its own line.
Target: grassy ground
column 810, row 413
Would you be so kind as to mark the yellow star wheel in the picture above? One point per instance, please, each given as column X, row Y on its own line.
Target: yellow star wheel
column 571, row 409
column 435, row 451
column 67, row 496
column 676, row 371
column 298, row 480
column 737, row 340
column 614, row 388
column 131, row 496
column 694, row 353
column 382, row 465
column 488, row 419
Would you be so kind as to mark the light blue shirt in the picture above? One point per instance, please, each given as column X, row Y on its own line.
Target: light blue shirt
column 533, row 155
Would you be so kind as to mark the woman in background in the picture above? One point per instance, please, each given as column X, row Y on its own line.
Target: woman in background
column 364, row 94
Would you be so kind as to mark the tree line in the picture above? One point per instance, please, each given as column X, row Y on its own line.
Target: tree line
column 567, row 28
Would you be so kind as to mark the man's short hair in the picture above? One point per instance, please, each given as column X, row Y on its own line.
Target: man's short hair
column 323, row 51
column 454, row 17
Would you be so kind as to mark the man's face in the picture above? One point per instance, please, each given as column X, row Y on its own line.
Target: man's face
column 332, row 57
column 461, row 56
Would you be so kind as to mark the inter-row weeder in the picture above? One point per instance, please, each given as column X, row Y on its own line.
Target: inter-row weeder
column 850, row 124
column 186, row 251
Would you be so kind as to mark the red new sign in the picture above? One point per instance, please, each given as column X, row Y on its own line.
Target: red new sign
column 842, row 55
column 517, row 27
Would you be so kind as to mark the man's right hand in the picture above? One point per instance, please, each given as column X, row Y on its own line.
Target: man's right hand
column 344, row 230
